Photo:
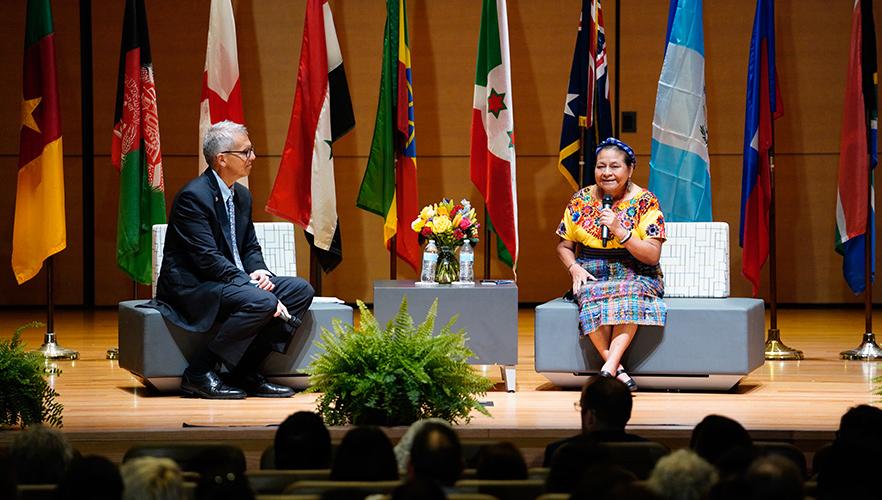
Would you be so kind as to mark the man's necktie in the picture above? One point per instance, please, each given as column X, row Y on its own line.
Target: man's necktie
column 231, row 212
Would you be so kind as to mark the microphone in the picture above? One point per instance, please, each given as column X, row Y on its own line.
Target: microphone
column 604, row 231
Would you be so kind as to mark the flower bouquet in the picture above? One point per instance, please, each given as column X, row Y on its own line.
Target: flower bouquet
column 450, row 225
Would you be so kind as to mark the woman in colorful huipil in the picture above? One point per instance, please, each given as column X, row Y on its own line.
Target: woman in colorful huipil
column 618, row 285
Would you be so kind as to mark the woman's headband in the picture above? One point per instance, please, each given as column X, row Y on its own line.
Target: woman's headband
column 612, row 141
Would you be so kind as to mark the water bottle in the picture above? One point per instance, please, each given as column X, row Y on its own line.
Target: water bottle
column 466, row 263
column 430, row 260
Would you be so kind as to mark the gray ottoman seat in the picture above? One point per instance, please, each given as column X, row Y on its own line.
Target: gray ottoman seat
column 710, row 341
column 156, row 351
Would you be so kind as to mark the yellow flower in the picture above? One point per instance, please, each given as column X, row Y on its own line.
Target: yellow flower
column 441, row 224
column 418, row 224
column 456, row 220
column 442, row 210
column 427, row 212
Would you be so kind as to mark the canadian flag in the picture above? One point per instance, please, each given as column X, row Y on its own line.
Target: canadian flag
column 221, row 94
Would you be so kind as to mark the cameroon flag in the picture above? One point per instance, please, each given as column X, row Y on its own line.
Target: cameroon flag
column 135, row 150
column 39, row 228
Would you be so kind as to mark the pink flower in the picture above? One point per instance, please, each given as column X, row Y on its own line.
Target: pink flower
column 465, row 223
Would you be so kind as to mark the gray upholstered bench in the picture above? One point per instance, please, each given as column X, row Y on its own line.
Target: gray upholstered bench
column 710, row 341
column 156, row 351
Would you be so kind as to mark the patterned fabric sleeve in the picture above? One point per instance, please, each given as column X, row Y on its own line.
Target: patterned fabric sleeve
column 652, row 221
column 570, row 227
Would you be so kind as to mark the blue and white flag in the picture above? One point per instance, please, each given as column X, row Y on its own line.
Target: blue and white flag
column 679, row 167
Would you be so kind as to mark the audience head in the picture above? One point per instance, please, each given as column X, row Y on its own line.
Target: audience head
column 151, row 478
column 774, row 478
column 40, row 455
column 601, row 481
column 223, row 485
column 365, row 454
column 722, row 442
column 861, row 425
column 91, row 477
column 302, row 442
column 501, row 461
column 569, row 463
column 606, row 404
column 682, row 475
column 402, row 449
column 436, row 454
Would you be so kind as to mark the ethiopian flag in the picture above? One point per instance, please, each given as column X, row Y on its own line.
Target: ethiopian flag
column 135, row 150
column 389, row 186
column 39, row 228
column 493, row 150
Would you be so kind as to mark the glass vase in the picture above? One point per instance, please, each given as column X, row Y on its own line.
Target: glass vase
column 447, row 270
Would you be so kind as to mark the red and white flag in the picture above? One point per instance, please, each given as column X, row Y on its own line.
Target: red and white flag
column 304, row 191
column 493, row 144
column 221, row 93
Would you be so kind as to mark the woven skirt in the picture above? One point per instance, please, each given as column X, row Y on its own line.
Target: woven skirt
column 627, row 291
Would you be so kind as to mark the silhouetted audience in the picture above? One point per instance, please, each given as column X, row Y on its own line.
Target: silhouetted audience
column 402, row 448
column 682, row 475
column 848, row 468
column 605, row 408
column 365, row 454
column 40, row 455
column 774, row 478
column 7, row 475
column 436, row 454
column 725, row 444
column 151, row 478
column 601, row 481
column 222, row 484
column 570, row 462
column 91, row 478
column 501, row 461
column 302, row 442
column 419, row 489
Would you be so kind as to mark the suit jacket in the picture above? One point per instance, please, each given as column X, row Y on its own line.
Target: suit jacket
column 595, row 437
column 197, row 259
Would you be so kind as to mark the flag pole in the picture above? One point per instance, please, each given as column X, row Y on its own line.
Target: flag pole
column 486, row 244
column 315, row 271
column 50, row 348
column 776, row 349
column 868, row 350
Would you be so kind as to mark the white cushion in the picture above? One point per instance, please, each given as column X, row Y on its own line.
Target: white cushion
column 695, row 259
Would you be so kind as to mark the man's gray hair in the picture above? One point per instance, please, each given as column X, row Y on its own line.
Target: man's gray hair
column 220, row 137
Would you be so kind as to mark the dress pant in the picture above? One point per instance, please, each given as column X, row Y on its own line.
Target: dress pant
column 246, row 318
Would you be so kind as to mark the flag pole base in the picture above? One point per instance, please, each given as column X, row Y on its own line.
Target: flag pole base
column 113, row 353
column 51, row 350
column 779, row 351
column 867, row 351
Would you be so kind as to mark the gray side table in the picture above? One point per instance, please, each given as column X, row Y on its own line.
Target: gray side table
column 489, row 315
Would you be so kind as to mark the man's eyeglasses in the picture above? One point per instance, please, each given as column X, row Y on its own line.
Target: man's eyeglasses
column 246, row 153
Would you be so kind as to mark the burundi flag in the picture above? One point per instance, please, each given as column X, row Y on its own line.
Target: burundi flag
column 587, row 115
column 763, row 105
column 39, row 227
column 221, row 92
column 493, row 149
column 135, row 149
column 389, row 186
column 858, row 146
column 679, row 166
column 304, row 191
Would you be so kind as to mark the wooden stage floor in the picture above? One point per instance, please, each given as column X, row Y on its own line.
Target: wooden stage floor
column 107, row 410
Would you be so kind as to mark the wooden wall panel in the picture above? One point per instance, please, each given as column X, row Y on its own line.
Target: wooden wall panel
column 812, row 53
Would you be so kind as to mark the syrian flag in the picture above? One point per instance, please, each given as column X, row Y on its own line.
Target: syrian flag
column 493, row 151
column 221, row 93
column 304, row 190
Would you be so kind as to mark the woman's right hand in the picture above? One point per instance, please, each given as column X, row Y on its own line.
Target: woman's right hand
column 580, row 277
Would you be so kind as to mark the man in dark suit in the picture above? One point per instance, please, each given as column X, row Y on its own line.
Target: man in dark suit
column 213, row 272
column 605, row 406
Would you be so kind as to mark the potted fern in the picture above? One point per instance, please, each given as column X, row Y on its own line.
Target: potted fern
column 26, row 397
column 396, row 375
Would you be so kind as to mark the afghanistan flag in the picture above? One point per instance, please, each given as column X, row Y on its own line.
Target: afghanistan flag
column 763, row 105
column 858, row 156
column 135, row 149
column 389, row 186
column 39, row 227
column 587, row 104
column 221, row 93
column 304, row 190
column 493, row 152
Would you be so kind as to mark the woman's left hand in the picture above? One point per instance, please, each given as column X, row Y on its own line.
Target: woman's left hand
column 608, row 218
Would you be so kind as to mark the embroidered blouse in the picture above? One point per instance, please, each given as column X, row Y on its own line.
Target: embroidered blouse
column 581, row 220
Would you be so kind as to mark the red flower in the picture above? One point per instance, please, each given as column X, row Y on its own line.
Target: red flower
column 456, row 209
column 458, row 234
column 426, row 232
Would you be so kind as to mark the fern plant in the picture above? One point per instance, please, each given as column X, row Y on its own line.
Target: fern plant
column 396, row 375
column 26, row 397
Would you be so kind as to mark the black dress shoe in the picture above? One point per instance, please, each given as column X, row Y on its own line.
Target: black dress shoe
column 209, row 386
column 632, row 386
column 605, row 374
column 258, row 386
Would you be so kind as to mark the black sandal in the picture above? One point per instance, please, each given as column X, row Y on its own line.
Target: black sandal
column 632, row 386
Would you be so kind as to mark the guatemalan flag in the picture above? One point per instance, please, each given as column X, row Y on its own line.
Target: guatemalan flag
column 858, row 156
column 221, row 92
column 679, row 167
column 763, row 105
column 304, row 191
